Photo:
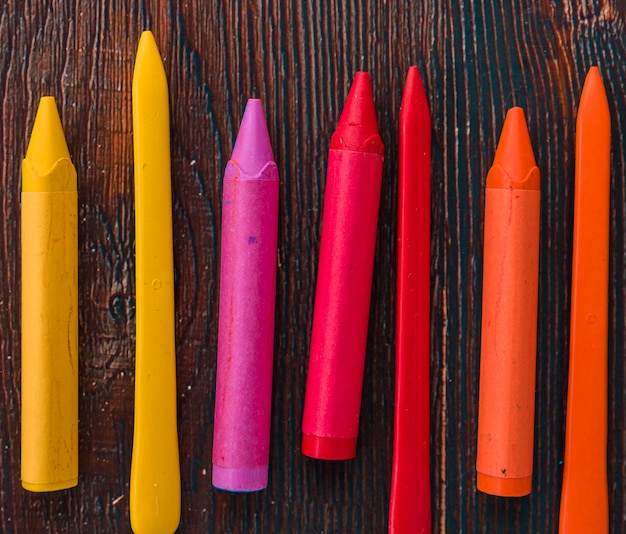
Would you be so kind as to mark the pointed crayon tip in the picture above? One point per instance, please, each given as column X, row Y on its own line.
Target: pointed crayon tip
column 150, row 104
column 358, row 129
column 253, row 149
column 413, row 86
column 47, row 143
column 147, row 45
column 414, row 111
column 149, row 71
column 593, row 107
column 515, row 154
column 593, row 82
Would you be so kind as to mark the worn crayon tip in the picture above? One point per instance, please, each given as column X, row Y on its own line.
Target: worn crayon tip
column 514, row 155
column 149, row 81
column 47, row 143
column 593, row 86
column 253, row 149
column 593, row 109
column 414, row 112
column 413, row 87
column 358, row 129
column 147, row 48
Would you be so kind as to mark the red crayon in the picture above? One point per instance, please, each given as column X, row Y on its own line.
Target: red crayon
column 344, row 280
column 409, row 507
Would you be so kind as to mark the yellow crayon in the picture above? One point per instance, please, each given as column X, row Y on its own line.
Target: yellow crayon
column 155, row 469
column 49, row 308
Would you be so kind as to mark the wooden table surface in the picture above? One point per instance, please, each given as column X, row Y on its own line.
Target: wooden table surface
column 478, row 58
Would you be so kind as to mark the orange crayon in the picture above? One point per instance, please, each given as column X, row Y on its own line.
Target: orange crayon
column 506, row 407
column 585, row 498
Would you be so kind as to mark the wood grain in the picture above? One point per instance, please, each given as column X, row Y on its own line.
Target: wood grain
column 478, row 58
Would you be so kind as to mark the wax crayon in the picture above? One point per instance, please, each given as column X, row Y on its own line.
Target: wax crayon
column 409, row 509
column 344, row 280
column 155, row 469
column 509, row 315
column 49, row 307
column 243, row 397
column 585, row 496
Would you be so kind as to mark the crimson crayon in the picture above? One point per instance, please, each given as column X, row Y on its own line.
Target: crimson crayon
column 344, row 280
column 409, row 503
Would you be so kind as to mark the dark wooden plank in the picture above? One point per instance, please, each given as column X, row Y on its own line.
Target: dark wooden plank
column 477, row 58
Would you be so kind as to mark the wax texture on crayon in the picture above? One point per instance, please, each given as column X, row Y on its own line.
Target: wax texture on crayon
column 409, row 506
column 585, row 495
column 155, row 469
column 241, row 442
column 509, row 322
column 344, row 280
column 49, row 308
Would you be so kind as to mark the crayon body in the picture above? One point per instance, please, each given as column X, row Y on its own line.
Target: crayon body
column 155, row 469
column 49, row 308
column 344, row 280
column 585, row 496
column 409, row 507
column 509, row 323
column 247, row 299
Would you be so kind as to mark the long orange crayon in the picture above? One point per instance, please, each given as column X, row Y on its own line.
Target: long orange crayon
column 509, row 324
column 585, row 499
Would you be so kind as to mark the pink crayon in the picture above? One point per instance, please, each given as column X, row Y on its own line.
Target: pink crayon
column 246, row 312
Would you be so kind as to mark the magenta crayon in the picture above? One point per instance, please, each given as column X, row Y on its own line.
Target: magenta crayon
column 344, row 280
column 246, row 310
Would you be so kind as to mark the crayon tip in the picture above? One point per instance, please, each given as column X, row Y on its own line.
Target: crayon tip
column 593, row 84
column 593, row 107
column 147, row 47
column 150, row 100
column 414, row 111
column 47, row 143
column 358, row 129
column 514, row 154
column 253, row 149
column 413, row 86
column 149, row 74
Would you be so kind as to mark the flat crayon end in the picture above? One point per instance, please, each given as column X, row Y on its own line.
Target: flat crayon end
column 253, row 149
column 358, row 129
column 514, row 158
column 47, row 143
column 324, row 448
column 504, row 487
column 240, row 479
column 51, row 486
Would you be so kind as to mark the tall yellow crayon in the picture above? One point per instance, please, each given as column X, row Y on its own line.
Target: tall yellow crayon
column 155, row 469
column 49, row 308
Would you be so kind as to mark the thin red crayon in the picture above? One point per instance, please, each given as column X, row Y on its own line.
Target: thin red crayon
column 342, row 301
column 409, row 507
